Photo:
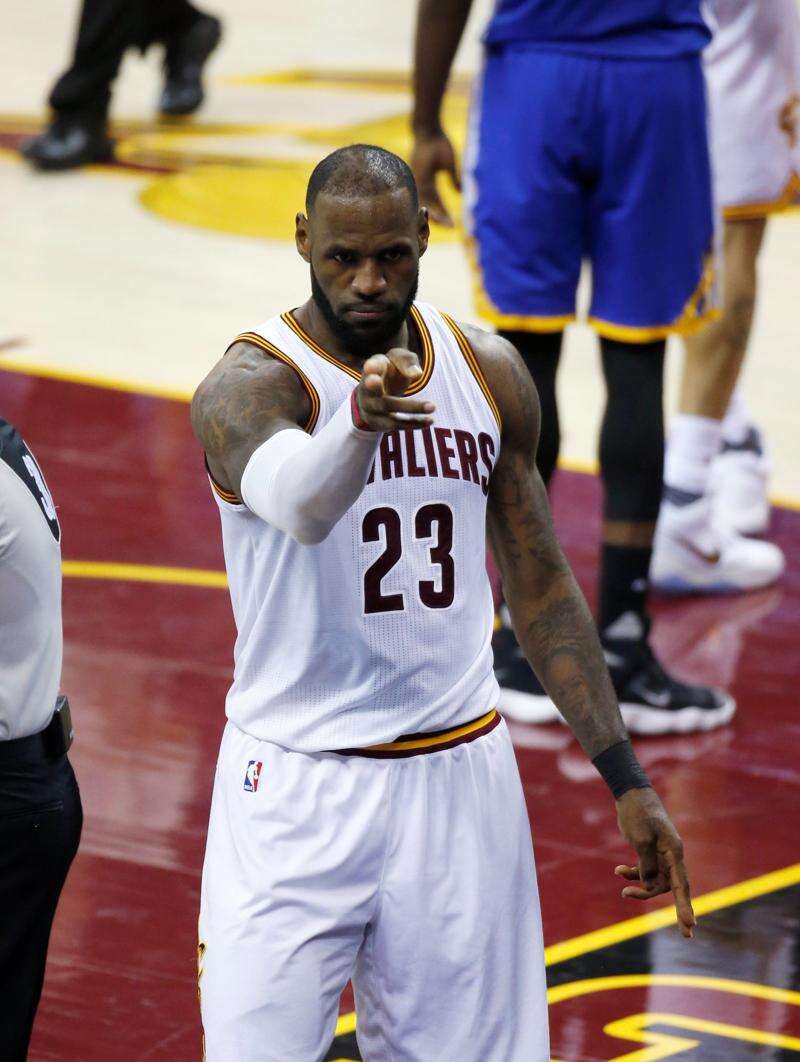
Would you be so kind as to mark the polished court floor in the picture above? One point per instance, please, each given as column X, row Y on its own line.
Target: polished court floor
column 120, row 286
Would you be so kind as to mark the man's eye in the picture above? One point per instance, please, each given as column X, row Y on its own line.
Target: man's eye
column 345, row 257
column 392, row 256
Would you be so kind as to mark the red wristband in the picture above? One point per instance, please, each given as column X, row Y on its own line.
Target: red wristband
column 358, row 420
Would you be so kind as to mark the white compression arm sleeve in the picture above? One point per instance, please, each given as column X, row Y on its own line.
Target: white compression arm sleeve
column 304, row 485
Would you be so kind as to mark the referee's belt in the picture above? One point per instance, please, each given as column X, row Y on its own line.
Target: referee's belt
column 51, row 743
column 432, row 741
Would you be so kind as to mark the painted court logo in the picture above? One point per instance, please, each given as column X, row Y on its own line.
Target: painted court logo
column 251, row 776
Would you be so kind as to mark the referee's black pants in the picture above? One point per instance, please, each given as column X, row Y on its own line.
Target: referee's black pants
column 106, row 29
column 40, row 826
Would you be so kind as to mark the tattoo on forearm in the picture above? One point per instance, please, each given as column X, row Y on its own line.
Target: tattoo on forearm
column 551, row 619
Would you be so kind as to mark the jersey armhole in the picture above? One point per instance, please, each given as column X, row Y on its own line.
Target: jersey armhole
column 229, row 498
column 473, row 364
column 275, row 352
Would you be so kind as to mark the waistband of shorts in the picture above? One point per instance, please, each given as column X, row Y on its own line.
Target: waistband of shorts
column 432, row 741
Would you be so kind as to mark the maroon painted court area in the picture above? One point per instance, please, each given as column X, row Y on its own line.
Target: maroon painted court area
column 147, row 667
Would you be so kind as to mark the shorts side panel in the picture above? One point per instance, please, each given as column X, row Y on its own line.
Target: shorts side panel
column 290, row 877
column 652, row 214
column 525, row 203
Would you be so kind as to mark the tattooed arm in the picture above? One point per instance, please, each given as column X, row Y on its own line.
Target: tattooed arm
column 555, row 628
column 245, row 399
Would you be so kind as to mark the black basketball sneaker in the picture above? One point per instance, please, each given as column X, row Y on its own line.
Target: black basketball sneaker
column 650, row 699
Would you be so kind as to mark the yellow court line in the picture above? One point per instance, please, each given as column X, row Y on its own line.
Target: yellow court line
column 144, row 573
column 705, row 904
column 108, row 383
column 575, row 989
column 135, row 387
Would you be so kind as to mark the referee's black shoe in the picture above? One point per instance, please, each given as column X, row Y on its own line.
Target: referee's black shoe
column 70, row 140
column 651, row 700
column 185, row 58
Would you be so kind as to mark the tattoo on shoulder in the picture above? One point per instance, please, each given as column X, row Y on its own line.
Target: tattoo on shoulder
column 242, row 401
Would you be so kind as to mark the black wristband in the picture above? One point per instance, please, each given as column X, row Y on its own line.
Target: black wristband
column 620, row 769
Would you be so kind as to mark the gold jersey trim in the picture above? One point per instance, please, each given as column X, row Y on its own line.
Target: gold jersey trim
column 428, row 356
column 474, row 365
column 755, row 211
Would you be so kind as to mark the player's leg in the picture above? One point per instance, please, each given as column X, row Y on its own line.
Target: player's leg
column 80, row 97
column 631, row 460
column 714, row 355
column 453, row 965
column 292, row 863
column 695, row 551
column 40, row 826
column 752, row 71
column 541, row 352
column 652, row 273
column 189, row 37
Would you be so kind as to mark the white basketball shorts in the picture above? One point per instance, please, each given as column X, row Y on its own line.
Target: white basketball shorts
column 753, row 74
column 414, row 876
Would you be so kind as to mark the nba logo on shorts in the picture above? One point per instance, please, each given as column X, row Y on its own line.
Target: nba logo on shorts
column 251, row 776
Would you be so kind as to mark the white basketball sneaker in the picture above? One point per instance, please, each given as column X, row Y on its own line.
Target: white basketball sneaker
column 693, row 554
column 738, row 485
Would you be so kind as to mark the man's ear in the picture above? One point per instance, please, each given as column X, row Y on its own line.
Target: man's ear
column 423, row 230
column 302, row 236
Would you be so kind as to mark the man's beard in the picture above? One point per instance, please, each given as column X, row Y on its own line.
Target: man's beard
column 354, row 339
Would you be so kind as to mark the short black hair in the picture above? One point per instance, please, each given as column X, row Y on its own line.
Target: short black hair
column 360, row 170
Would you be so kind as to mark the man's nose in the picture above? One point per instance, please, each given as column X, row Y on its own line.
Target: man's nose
column 369, row 279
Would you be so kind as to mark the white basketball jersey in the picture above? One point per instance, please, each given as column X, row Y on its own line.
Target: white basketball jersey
column 384, row 629
column 753, row 71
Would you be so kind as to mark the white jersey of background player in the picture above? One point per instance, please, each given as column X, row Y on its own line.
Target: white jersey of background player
column 367, row 818
column 752, row 69
column 716, row 470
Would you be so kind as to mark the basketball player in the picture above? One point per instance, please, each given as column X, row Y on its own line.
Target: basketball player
column 588, row 140
column 367, row 817
column 716, row 470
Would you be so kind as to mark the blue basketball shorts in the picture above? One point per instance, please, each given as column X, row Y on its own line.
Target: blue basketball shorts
column 572, row 157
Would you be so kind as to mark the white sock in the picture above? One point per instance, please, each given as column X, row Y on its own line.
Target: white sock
column 737, row 420
column 693, row 443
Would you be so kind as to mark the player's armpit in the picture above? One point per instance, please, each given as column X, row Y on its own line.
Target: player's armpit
column 549, row 613
column 245, row 399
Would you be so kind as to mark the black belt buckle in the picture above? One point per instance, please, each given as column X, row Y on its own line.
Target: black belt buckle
column 58, row 734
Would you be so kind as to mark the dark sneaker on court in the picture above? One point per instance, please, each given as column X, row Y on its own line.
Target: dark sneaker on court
column 185, row 58
column 522, row 696
column 69, row 141
column 650, row 699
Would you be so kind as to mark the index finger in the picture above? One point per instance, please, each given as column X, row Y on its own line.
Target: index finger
column 406, row 363
column 679, row 883
column 377, row 364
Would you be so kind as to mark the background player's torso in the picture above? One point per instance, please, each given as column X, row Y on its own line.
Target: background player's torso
column 753, row 73
column 30, row 592
column 624, row 29
column 383, row 629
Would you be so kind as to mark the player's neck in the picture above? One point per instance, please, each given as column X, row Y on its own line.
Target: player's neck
column 312, row 321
